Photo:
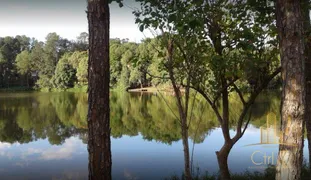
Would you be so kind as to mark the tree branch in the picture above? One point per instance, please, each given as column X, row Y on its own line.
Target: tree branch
column 246, row 125
column 239, row 93
column 218, row 94
column 209, row 101
column 251, row 101
column 158, row 77
column 191, row 112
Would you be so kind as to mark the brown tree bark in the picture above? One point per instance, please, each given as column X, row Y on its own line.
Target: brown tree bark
column 222, row 158
column 307, row 28
column 290, row 30
column 98, row 92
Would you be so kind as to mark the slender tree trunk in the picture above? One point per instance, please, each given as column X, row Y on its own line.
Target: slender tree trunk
column 98, row 92
column 290, row 29
column 223, row 154
column 186, row 150
column 307, row 27
column 181, row 109
column 222, row 157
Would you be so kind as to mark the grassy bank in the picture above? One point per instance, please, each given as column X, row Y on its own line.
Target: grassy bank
column 16, row 89
column 267, row 174
column 23, row 89
column 74, row 89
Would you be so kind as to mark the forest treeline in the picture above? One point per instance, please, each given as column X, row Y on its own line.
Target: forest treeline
column 25, row 61
column 60, row 63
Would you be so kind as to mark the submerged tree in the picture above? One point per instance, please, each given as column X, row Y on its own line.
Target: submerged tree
column 290, row 29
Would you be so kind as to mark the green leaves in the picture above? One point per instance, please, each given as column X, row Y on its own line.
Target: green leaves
column 23, row 62
column 65, row 74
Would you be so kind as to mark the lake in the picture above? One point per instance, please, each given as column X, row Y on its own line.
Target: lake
column 44, row 136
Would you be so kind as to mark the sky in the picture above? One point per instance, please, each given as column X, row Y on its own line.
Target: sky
column 37, row 18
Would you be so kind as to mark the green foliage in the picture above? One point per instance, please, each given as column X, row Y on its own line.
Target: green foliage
column 82, row 68
column 213, row 42
column 130, row 62
column 246, row 48
column 65, row 74
column 23, row 62
column 82, row 42
column 9, row 48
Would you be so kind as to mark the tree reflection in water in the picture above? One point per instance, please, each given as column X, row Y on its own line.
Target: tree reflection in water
column 58, row 116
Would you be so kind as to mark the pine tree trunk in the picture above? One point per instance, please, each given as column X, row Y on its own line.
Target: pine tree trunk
column 290, row 29
column 307, row 33
column 98, row 92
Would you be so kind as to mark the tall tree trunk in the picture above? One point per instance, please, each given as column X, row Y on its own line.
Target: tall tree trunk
column 290, row 29
column 307, row 27
column 98, row 92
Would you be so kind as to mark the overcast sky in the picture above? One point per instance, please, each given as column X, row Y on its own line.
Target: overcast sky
column 37, row 18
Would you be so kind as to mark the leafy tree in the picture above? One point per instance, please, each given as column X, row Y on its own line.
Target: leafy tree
column 76, row 57
column 82, row 69
column 209, row 46
column 65, row 74
column 82, row 42
column 116, row 50
column 49, row 61
column 24, row 64
column 52, row 48
column 9, row 48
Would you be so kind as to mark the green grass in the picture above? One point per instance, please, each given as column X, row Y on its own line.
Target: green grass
column 268, row 174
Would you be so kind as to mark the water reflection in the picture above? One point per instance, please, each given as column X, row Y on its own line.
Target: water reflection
column 46, row 134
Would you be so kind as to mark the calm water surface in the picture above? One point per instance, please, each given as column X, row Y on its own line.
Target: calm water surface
column 44, row 136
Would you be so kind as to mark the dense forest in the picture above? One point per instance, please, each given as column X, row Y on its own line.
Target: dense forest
column 60, row 64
